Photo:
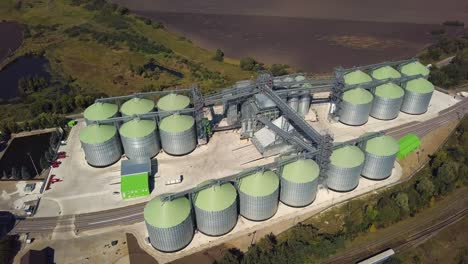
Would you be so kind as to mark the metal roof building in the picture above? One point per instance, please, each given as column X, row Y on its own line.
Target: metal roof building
column 169, row 223
column 134, row 180
column 216, row 209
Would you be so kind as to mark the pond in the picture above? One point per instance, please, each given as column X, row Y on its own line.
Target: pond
column 11, row 34
column 16, row 155
column 22, row 67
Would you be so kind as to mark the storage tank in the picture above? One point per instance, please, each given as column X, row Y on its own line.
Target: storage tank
column 169, row 223
column 137, row 106
column 345, row 168
column 178, row 135
column 414, row 68
column 355, row 107
column 293, row 102
column 385, row 72
column 356, row 77
column 100, row 111
column 216, row 209
column 387, row 101
column 304, row 101
column 173, row 102
column 140, row 139
column 418, row 94
column 101, row 144
column 299, row 182
column 381, row 153
column 258, row 195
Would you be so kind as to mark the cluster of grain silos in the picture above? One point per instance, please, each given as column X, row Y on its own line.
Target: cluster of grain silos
column 171, row 224
column 387, row 99
column 138, row 137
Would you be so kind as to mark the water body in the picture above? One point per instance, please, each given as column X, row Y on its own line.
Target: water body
column 11, row 34
column 154, row 66
column 14, row 71
column 17, row 153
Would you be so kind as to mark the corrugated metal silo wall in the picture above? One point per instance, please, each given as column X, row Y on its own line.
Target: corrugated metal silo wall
column 216, row 223
column 298, row 194
column 304, row 105
column 385, row 108
column 415, row 103
column 89, row 122
column 178, row 143
column 103, row 154
column 145, row 147
column 172, row 238
column 258, row 208
column 293, row 102
column 343, row 179
column 354, row 114
column 378, row 167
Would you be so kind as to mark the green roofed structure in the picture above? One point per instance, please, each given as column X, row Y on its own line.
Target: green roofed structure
column 137, row 106
column 356, row 77
column 347, row 157
column 100, row 111
column 420, row 86
column 345, row 168
column 299, row 182
column 386, row 72
column 355, row 107
column 358, row 96
column 173, row 102
column 414, row 68
column 134, row 180
column 408, row 144
column 381, row 153
column 100, row 144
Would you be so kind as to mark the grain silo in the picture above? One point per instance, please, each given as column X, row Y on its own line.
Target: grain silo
column 299, row 182
column 381, row 153
column 101, row 144
column 216, row 209
column 139, row 138
column 178, row 135
column 137, row 106
column 418, row 94
column 345, row 168
column 355, row 107
column 100, row 111
column 258, row 195
column 356, row 77
column 173, row 102
column 385, row 72
column 304, row 101
column 388, row 98
column 414, row 68
column 169, row 223
column 293, row 101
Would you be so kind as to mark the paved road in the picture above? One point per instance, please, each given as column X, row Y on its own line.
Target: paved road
column 410, row 235
column 134, row 213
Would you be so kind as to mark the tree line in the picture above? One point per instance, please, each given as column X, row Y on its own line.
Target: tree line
column 305, row 243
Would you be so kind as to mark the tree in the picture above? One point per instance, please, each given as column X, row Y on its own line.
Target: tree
column 248, row 64
column 219, row 55
column 388, row 211
column 279, row 69
column 123, row 11
column 25, row 175
column 425, row 187
column 402, row 201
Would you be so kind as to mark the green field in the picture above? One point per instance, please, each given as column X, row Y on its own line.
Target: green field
column 136, row 185
column 97, row 64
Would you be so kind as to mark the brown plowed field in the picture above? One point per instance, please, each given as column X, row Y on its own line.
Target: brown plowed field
column 309, row 35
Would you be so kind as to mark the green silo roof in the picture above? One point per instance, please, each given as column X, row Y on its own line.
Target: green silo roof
column 385, row 72
column 259, row 184
column 173, row 102
column 301, row 171
column 390, row 91
column 216, row 198
column 382, row 146
column 358, row 96
column 414, row 68
column 347, row 157
column 420, row 85
column 288, row 79
column 100, row 111
column 299, row 78
column 356, row 77
column 95, row 134
column 176, row 123
column 137, row 106
column 168, row 213
column 137, row 128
